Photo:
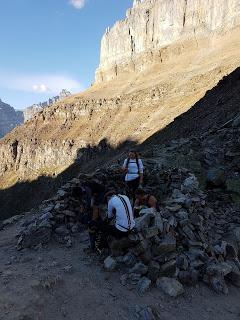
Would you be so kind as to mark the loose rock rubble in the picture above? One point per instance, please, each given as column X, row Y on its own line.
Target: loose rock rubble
column 194, row 237
column 178, row 245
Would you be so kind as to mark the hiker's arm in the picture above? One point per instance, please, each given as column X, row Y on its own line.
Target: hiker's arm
column 95, row 212
column 124, row 167
column 110, row 210
column 152, row 202
column 136, row 203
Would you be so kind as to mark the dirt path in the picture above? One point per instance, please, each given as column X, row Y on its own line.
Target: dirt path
column 56, row 283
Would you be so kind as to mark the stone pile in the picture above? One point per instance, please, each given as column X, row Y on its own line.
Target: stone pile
column 174, row 247
column 57, row 218
column 190, row 239
column 60, row 217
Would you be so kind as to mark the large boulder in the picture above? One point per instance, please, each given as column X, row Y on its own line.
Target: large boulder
column 216, row 177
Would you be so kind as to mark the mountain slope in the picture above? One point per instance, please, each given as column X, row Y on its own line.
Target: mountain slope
column 9, row 118
column 131, row 106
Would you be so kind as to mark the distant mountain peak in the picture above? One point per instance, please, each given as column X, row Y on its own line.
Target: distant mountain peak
column 9, row 118
column 37, row 107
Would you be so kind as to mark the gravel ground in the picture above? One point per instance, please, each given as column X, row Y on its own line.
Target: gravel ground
column 56, row 282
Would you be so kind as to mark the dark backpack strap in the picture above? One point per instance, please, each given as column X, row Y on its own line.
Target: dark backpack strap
column 137, row 161
column 127, row 212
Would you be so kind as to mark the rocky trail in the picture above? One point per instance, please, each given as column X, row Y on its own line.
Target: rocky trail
column 181, row 263
column 55, row 282
column 194, row 243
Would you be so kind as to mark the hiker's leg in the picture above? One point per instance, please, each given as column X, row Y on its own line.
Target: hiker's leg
column 133, row 186
column 92, row 230
column 110, row 230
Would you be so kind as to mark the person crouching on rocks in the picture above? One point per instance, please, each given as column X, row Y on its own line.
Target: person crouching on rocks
column 133, row 168
column 120, row 210
column 144, row 200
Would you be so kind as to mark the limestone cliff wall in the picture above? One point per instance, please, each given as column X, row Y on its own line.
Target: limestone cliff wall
column 150, row 25
column 136, row 107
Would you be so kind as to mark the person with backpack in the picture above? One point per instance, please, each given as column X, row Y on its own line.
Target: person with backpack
column 144, row 199
column 119, row 210
column 133, row 169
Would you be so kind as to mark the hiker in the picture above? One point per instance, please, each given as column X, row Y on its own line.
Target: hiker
column 144, row 200
column 120, row 210
column 96, row 193
column 133, row 168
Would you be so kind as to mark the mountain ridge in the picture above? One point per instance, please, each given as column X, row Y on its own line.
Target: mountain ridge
column 130, row 107
column 9, row 118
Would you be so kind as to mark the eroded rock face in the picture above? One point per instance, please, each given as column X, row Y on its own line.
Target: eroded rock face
column 132, row 108
column 151, row 25
column 35, row 108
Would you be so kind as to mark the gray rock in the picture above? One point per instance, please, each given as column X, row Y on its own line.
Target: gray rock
column 190, row 184
column 144, row 221
column 236, row 122
column 141, row 247
column 110, row 264
column 168, row 268
column 189, row 278
column 168, row 244
column 143, row 285
column 129, row 259
column 146, row 211
column 62, row 230
column 150, row 232
column 216, row 177
column 234, row 275
column 182, row 262
column 153, row 270
column 218, row 284
column 221, row 269
column 33, row 237
column 147, row 313
column 11, row 220
column 69, row 213
column 139, row 268
column 181, row 215
column 124, row 279
column 174, row 207
column 158, row 222
column 134, row 278
column 170, row 286
column 233, row 186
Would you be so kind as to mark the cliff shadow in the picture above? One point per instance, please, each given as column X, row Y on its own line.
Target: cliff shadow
column 218, row 106
column 215, row 109
column 25, row 195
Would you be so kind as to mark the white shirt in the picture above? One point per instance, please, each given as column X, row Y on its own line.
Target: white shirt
column 132, row 167
column 124, row 218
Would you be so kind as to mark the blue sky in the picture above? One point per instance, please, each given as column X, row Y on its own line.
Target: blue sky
column 47, row 45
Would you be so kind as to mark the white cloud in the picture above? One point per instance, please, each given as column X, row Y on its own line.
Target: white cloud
column 40, row 88
column 39, row 83
column 78, row 4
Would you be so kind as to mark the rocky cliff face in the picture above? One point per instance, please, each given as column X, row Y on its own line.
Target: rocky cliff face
column 32, row 110
column 9, row 118
column 133, row 106
column 152, row 25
